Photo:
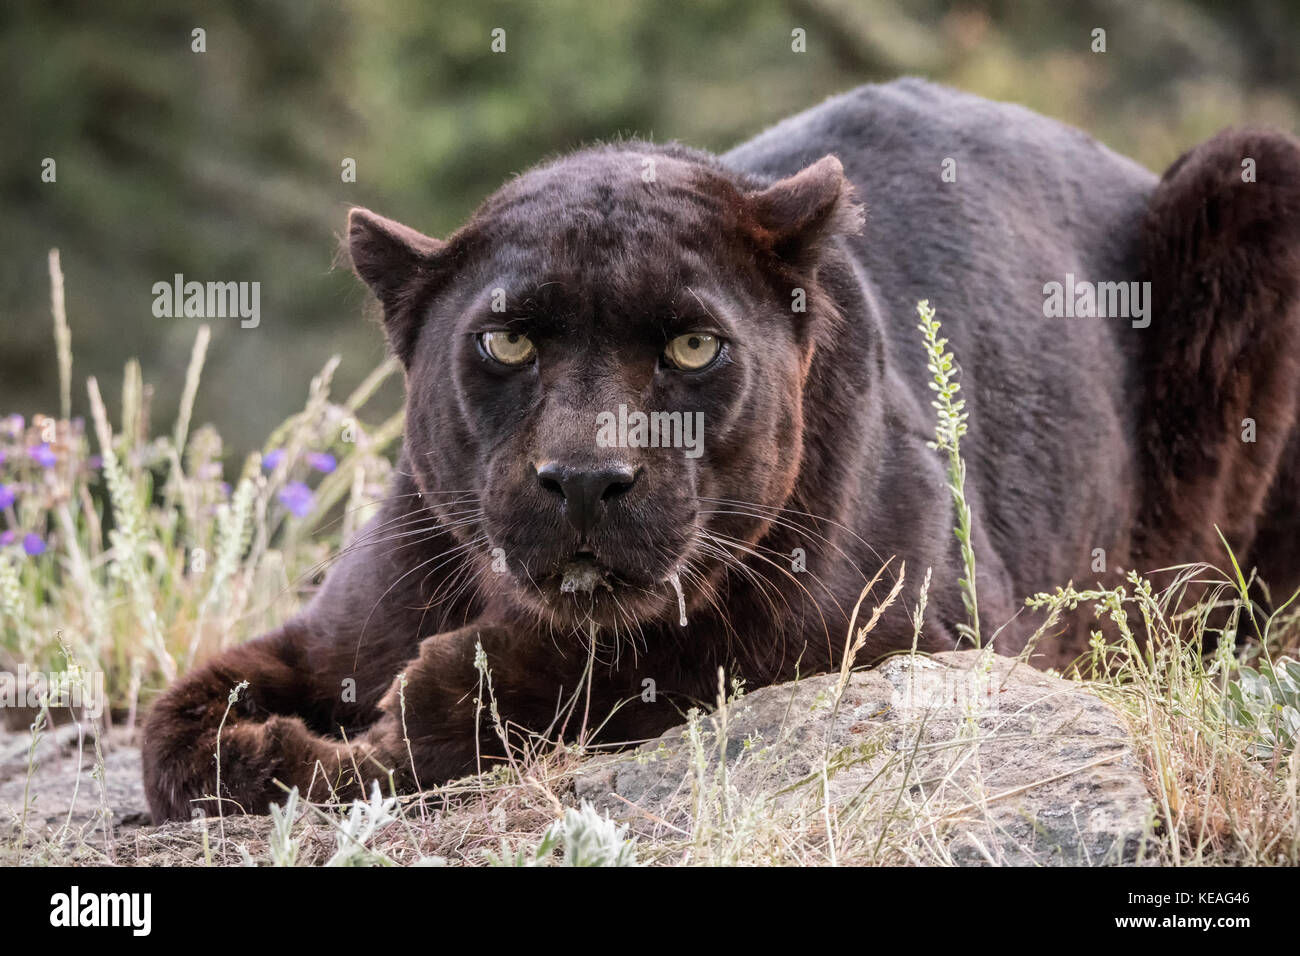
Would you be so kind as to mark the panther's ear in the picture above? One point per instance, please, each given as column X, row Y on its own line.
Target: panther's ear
column 796, row 215
column 386, row 254
column 394, row 260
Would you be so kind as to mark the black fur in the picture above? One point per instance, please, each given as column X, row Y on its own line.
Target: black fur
column 1084, row 433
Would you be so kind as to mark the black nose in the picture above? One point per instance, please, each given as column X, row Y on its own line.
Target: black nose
column 586, row 490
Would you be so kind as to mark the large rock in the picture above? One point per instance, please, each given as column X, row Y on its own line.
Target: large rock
column 966, row 757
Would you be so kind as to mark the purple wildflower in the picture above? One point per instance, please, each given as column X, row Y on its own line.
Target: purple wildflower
column 6, row 497
column 6, row 538
column 33, row 544
column 297, row 498
column 42, row 455
column 271, row 460
column 322, row 461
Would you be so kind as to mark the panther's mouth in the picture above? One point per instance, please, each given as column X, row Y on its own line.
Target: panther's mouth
column 583, row 575
column 589, row 589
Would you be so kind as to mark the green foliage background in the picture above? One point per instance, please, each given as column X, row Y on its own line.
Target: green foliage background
column 226, row 164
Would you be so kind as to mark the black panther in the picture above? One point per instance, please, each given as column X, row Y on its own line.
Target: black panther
column 770, row 294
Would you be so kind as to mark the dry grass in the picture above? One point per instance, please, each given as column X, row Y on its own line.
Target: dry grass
column 1228, row 789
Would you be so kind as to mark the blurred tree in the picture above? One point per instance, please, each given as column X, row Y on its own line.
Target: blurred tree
column 226, row 164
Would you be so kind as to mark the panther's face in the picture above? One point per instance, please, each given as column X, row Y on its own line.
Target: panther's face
column 605, row 369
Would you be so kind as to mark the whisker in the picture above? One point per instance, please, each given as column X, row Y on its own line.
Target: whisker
column 447, row 554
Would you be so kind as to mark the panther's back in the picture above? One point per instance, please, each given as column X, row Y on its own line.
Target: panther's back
column 1051, row 401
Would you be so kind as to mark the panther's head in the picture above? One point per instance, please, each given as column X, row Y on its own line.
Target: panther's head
column 605, row 368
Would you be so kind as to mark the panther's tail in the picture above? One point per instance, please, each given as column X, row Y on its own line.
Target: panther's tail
column 1221, row 358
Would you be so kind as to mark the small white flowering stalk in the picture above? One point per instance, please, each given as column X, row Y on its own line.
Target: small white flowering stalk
column 948, row 432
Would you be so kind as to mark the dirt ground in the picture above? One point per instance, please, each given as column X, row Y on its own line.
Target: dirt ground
column 92, row 819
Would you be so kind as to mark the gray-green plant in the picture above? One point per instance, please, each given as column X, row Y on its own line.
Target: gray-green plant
column 1265, row 701
column 584, row 837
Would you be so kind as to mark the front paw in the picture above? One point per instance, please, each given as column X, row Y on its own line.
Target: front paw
column 261, row 762
column 252, row 769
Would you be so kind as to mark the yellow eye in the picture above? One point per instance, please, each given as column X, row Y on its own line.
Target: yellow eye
column 692, row 351
column 508, row 348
